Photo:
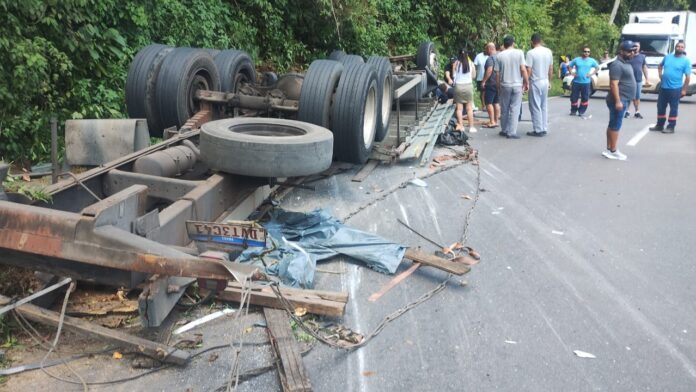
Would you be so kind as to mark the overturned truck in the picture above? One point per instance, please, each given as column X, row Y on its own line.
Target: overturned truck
column 228, row 140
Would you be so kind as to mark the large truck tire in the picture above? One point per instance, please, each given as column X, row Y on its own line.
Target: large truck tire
column 183, row 72
column 385, row 94
column 352, row 59
column 234, row 66
column 426, row 59
column 140, row 86
column 318, row 88
column 265, row 147
column 336, row 55
column 354, row 114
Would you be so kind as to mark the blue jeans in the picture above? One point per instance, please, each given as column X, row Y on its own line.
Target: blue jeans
column 616, row 117
column 668, row 96
column 582, row 91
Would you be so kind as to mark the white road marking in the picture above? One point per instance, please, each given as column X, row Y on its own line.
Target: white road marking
column 638, row 136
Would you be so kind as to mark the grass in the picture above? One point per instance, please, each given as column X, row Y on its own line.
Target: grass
column 33, row 191
column 300, row 333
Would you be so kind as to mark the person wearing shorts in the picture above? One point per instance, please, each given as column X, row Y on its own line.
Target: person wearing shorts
column 491, row 90
column 640, row 68
column 464, row 73
column 622, row 89
column 480, row 64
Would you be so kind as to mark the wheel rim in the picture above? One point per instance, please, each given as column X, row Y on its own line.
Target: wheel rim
column 386, row 98
column 200, row 81
column 370, row 117
column 271, row 130
column 432, row 60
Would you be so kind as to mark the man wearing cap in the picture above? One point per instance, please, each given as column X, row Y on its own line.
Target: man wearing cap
column 674, row 71
column 640, row 68
column 582, row 69
column 540, row 69
column 512, row 81
column 622, row 88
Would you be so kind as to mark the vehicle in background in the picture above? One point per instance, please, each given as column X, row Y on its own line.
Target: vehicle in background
column 658, row 34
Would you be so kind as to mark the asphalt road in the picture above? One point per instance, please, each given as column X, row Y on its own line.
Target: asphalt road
column 578, row 253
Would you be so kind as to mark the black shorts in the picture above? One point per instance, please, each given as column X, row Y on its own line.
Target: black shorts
column 478, row 85
column 491, row 96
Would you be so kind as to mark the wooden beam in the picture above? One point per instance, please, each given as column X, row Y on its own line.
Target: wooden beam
column 318, row 302
column 366, row 170
column 293, row 375
column 437, row 262
column 392, row 283
column 157, row 351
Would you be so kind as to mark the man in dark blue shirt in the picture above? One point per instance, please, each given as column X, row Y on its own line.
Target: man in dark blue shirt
column 640, row 68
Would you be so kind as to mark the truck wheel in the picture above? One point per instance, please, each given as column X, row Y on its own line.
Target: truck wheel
column 212, row 52
column 337, row 55
column 426, row 59
column 183, row 72
column 140, row 86
column 354, row 114
column 352, row 59
column 265, row 147
column 318, row 87
column 234, row 66
column 385, row 94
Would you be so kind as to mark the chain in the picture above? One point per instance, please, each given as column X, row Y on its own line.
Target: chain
column 289, row 308
column 244, row 301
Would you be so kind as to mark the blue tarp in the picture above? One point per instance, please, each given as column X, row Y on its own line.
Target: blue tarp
column 302, row 239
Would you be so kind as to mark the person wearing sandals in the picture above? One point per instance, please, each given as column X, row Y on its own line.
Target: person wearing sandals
column 491, row 89
column 540, row 70
column 464, row 73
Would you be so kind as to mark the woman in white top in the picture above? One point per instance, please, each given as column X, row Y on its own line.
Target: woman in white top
column 464, row 73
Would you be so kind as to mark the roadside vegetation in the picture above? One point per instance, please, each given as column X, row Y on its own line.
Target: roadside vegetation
column 70, row 57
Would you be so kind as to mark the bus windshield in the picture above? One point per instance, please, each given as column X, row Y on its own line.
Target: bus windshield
column 650, row 45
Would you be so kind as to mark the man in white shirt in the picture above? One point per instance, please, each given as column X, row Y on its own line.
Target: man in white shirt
column 540, row 69
column 512, row 81
column 480, row 63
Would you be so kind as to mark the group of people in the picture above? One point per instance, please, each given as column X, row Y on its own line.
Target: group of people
column 502, row 77
column 625, row 84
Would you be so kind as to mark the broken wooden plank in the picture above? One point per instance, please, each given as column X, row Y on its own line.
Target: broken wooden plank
column 392, row 283
column 437, row 262
column 293, row 375
column 322, row 303
column 366, row 170
column 152, row 349
column 337, row 296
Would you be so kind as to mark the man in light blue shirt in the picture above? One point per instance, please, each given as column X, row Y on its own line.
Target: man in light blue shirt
column 582, row 68
column 480, row 63
column 674, row 72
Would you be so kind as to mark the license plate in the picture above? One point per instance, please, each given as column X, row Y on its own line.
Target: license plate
column 241, row 233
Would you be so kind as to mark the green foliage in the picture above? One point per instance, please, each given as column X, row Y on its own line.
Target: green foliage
column 33, row 191
column 70, row 58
